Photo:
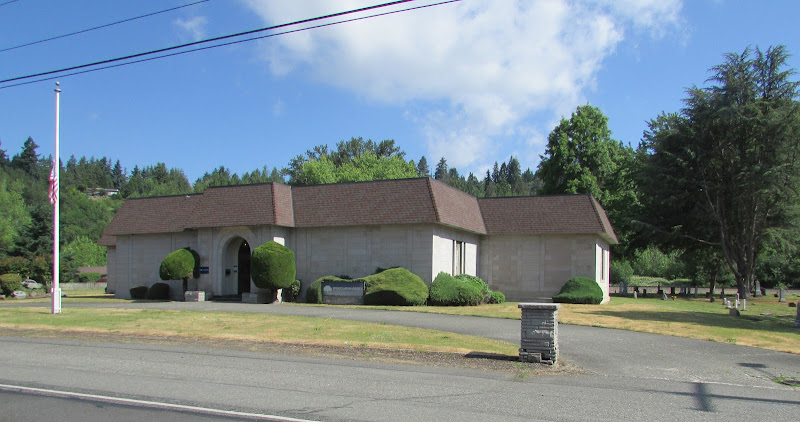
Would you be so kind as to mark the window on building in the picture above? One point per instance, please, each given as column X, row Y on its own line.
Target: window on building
column 458, row 257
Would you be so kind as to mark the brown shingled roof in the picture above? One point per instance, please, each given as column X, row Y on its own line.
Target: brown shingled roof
column 456, row 208
column 165, row 214
column 405, row 201
column 245, row 205
column 557, row 214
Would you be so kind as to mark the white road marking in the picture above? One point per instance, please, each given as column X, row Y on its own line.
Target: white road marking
column 160, row 405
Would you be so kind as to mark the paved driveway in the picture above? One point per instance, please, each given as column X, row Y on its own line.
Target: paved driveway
column 611, row 353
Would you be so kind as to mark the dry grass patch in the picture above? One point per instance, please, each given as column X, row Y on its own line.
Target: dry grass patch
column 251, row 327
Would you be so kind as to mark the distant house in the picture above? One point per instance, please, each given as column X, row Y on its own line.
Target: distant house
column 525, row 247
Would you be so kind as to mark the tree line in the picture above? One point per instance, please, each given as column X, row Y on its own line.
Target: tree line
column 712, row 188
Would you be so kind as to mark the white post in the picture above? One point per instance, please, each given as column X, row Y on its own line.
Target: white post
column 54, row 199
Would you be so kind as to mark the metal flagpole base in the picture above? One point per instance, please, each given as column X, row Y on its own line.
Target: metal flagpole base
column 56, row 300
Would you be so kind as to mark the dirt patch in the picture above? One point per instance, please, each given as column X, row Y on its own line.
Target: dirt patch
column 484, row 362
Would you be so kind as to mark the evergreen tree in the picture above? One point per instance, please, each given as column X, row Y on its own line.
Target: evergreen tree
column 726, row 170
column 441, row 170
column 422, row 168
column 28, row 159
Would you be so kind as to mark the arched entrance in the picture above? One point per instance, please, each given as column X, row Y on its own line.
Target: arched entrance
column 244, row 267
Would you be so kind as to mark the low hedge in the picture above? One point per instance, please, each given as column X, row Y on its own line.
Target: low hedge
column 447, row 290
column 10, row 282
column 89, row 277
column 497, row 297
column 395, row 287
column 314, row 292
column 580, row 290
column 138, row 292
column 158, row 291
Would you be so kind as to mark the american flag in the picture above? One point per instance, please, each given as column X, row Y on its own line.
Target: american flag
column 53, row 194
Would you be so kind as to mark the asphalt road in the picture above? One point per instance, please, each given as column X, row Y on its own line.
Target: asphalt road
column 636, row 376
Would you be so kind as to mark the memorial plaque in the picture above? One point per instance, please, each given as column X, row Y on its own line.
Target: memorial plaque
column 343, row 292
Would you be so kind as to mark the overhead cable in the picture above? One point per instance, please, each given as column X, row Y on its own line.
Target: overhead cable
column 98, row 27
column 226, row 44
column 224, row 37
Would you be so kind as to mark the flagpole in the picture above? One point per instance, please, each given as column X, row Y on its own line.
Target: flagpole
column 54, row 198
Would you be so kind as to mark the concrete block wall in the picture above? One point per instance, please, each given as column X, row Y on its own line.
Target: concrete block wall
column 533, row 267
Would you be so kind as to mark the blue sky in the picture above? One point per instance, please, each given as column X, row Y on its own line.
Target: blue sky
column 474, row 81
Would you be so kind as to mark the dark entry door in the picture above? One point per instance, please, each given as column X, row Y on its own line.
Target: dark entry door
column 244, row 268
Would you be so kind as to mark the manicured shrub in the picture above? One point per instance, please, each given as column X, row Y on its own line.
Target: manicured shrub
column 447, row 290
column 158, row 291
column 139, row 292
column 396, row 287
column 477, row 282
column 272, row 266
column 10, row 282
column 497, row 297
column 89, row 277
column 580, row 290
column 178, row 265
column 291, row 293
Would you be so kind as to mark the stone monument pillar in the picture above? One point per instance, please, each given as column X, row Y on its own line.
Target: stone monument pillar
column 539, row 334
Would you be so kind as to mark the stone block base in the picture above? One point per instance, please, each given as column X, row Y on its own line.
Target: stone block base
column 194, row 296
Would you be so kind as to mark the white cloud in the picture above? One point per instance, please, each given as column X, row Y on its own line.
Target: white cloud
column 480, row 68
column 195, row 27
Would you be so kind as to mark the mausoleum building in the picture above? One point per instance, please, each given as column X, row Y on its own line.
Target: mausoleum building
column 525, row 247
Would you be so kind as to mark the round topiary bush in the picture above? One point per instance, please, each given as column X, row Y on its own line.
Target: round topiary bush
column 177, row 265
column 395, row 287
column 447, row 290
column 158, row 291
column 272, row 266
column 580, row 290
column 138, row 292
column 10, row 282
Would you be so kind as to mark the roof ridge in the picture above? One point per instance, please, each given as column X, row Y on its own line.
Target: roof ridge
column 433, row 200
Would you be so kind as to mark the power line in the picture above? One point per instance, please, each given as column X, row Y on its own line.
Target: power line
column 8, row 2
column 162, row 50
column 97, row 27
column 226, row 44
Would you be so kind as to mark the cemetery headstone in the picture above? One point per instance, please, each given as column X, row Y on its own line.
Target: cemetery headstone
column 797, row 318
column 664, row 296
column 782, row 295
column 636, row 294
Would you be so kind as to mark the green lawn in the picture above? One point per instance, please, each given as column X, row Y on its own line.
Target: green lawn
column 693, row 318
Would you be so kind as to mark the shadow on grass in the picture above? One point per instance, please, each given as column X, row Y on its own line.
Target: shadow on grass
column 747, row 322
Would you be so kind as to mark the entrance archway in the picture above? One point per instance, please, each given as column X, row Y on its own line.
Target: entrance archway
column 244, row 267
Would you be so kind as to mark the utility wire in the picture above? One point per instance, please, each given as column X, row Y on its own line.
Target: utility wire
column 162, row 50
column 97, row 27
column 8, row 2
column 226, row 44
